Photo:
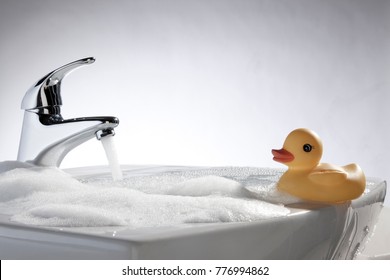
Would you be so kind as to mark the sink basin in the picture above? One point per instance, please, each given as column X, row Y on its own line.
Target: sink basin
column 308, row 231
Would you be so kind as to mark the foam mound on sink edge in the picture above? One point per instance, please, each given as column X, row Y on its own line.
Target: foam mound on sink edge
column 50, row 197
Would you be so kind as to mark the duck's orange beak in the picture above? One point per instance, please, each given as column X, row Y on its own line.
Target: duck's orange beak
column 282, row 155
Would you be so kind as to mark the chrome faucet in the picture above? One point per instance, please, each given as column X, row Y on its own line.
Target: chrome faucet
column 46, row 136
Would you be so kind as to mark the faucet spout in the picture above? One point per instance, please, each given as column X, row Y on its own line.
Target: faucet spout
column 46, row 136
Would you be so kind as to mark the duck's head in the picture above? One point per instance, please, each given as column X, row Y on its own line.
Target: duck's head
column 302, row 149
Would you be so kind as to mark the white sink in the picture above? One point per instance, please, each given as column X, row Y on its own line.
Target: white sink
column 307, row 232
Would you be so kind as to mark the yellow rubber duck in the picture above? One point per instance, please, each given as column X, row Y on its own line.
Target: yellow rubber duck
column 311, row 180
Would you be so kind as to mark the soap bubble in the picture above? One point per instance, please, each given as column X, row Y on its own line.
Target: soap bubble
column 146, row 197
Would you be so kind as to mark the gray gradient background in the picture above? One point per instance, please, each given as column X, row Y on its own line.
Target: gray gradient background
column 207, row 82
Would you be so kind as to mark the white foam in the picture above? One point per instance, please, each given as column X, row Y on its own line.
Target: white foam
column 51, row 197
column 208, row 185
column 271, row 194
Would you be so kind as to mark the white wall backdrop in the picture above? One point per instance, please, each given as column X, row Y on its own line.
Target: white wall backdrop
column 207, row 82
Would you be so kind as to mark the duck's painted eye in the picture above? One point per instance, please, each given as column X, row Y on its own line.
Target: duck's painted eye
column 307, row 148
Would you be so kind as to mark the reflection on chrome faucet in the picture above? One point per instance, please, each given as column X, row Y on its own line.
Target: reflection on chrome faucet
column 46, row 136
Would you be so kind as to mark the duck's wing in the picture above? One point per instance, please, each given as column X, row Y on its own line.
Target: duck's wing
column 328, row 176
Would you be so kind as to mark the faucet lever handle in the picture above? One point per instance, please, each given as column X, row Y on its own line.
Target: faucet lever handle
column 46, row 92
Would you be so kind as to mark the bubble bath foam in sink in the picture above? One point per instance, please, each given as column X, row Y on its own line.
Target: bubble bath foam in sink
column 168, row 212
